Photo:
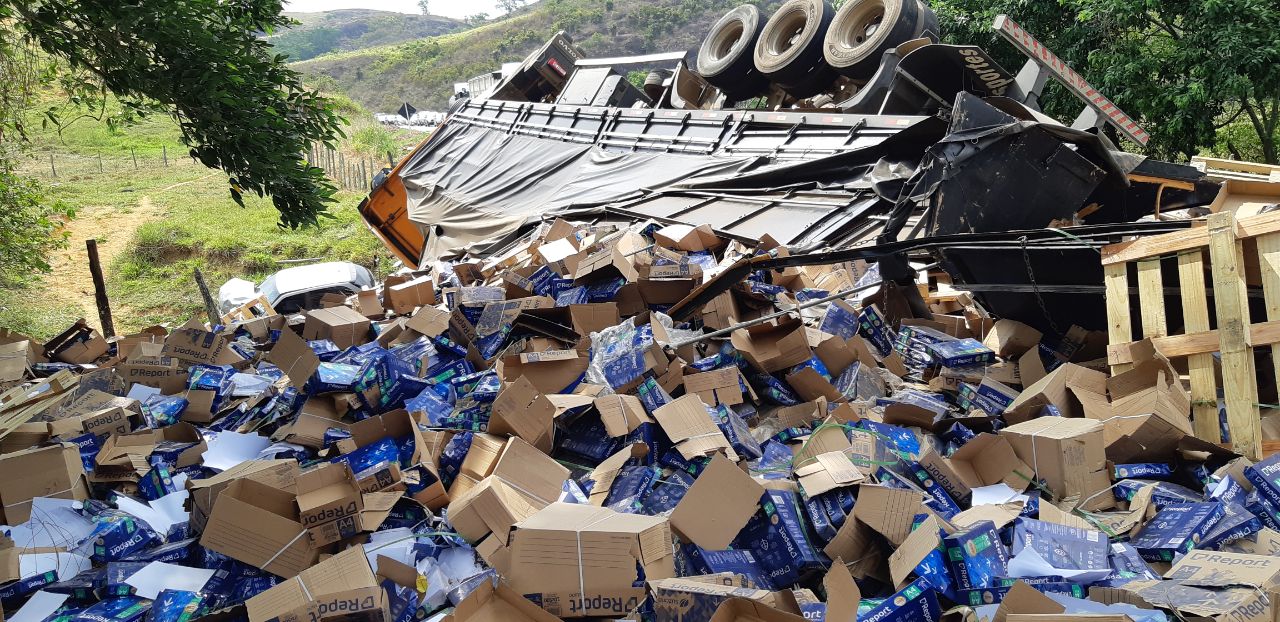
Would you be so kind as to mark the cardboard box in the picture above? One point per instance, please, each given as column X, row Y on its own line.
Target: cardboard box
column 489, row 603
column 407, row 296
column 502, row 481
column 687, row 238
column 717, row 506
column 202, row 493
column 1069, row 454
column 985, row 460
column 148, row 366
column 193, row 346
column 719, row 386
column 295, row 358
column 78, row 345
column 549, row 371
column 377, row 507
column 1057, row 389
column 54, row 471
column 621, row 413
column 581, row 560
column 773, row 347
column 344, row 572
column 690, row 427
column 259, row 525
column 1011, row 338
column 327, row 493
column 341, row 325
column 522, row 410
column 690, row 599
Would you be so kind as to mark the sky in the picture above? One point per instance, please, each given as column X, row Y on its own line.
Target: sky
column 448, row 8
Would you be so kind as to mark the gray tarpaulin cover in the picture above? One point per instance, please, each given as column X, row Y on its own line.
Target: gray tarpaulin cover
column 472, row 184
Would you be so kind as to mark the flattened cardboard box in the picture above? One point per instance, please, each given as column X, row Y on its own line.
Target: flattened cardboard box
column 580, row 560
column 54, row 471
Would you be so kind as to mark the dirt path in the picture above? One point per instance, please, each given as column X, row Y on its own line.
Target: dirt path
column 69, row 284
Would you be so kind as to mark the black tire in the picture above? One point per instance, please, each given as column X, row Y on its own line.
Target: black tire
column 863, row 30
column 789, row 51
column 725, row 57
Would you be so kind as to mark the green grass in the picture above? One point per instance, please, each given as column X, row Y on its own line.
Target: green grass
column 24, row 310
column 176, row 219
column 204, row 229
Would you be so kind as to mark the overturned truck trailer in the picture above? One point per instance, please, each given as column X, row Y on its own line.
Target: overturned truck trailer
column 856, row 137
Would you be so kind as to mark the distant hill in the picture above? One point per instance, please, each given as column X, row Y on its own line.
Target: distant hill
column 355, row 29
column 423, row 71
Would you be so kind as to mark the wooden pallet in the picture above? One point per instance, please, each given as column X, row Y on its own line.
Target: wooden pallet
column 258, row 307
column 1222, row 246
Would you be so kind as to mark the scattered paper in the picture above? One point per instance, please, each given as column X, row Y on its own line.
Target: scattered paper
column 275, row 449
column 54, row 523
column 141, row 392
column 1028, row 563
column 158, row 576
column 161, row 514
column 998, row 494
column 40, row 606
column 396, row 544
column 228, row 449
column 67, row 565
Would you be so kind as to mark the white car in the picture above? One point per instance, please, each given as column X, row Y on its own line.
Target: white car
column 299, row 288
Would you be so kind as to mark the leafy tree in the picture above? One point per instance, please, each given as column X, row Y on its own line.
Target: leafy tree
column 240, row 108
column 477, row 19
column 425, row 5
column 30, row 228
column 510, row 6
column 1186, row 68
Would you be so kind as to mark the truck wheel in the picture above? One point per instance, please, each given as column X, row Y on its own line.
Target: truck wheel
column 863, row 30
column 789, row 51
column 724, row 58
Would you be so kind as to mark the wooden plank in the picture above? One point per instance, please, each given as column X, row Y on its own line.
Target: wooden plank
column 1178, row 241
column 1151, row 298
column 1176, row 346
column 1195, row 317
column 1269, row 263
column 1240, row 388
column 1119, row 324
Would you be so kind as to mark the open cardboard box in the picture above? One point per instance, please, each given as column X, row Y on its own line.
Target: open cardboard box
column 259, row 525
column 581, row 560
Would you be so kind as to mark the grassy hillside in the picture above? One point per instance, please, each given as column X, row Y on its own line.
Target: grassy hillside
column 354, row 29
column 156, row 220
column 422, row 72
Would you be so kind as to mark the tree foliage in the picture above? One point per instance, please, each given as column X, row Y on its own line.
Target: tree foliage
column 1185, row 68
column 30, row 228
column 239, row 106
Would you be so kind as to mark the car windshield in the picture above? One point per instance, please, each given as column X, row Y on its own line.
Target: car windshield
column 268, row 288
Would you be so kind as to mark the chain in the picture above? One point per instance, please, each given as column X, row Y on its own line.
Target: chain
column 1044, row 309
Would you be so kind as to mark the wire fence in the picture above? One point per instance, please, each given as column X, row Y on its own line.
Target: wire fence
column 349, row 171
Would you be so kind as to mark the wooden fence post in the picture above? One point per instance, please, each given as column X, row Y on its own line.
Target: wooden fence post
column 53, row 169
column 99, row 289
column 210, row 308
column 134, row 153
column 164, row 155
